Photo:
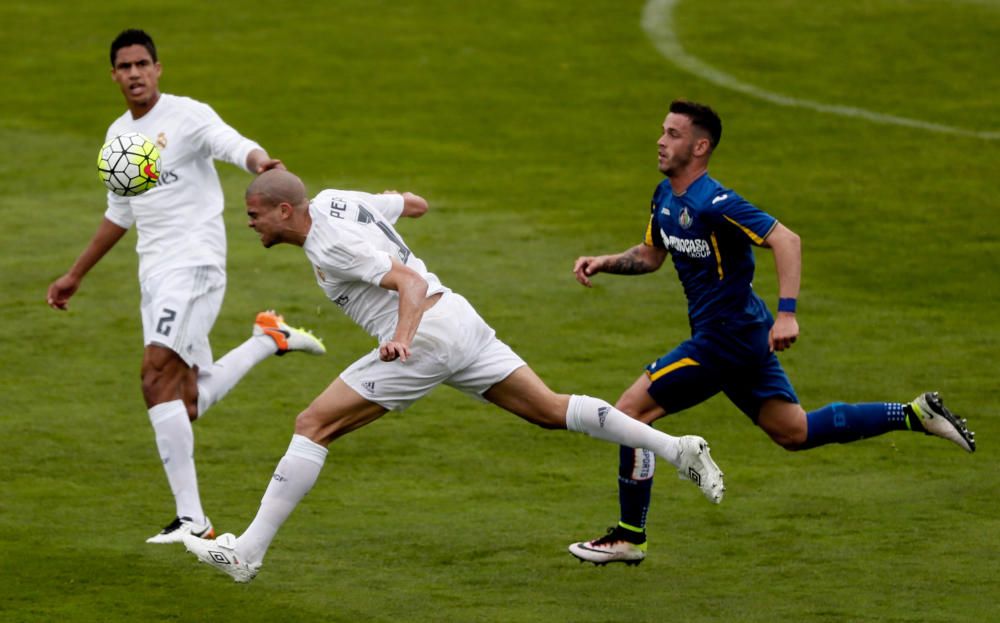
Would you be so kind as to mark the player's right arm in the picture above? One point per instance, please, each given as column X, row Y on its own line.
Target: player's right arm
column 645, row 257
column 640, row 259
column 412, row 290
column 107, row 235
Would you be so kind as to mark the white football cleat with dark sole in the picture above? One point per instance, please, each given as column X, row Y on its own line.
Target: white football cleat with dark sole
column 696, row 465
column 221, row 554
column 939, row 421
column 612, row 547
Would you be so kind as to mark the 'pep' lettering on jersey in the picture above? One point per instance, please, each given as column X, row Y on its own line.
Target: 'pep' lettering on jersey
column 338, row 207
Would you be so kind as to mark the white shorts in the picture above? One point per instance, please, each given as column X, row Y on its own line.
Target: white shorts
column 453, row 346
column 178, row 310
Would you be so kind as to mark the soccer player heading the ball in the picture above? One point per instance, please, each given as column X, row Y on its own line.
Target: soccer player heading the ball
column 708, row 231
column 428, row 335
column 182, row 267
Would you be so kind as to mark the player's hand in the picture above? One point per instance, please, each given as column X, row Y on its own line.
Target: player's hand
column 392, row 350
column 584, row 268
column 61, row 290
column 784, row 332
column 271, row 163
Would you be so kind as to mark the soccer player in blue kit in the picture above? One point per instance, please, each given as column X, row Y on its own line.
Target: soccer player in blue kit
column 708, row 231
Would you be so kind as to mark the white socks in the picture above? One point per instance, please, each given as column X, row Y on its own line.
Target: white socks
column 216, row 382
column 299, row 469
column 602, row 421
column 175, row 441
column 295, row 475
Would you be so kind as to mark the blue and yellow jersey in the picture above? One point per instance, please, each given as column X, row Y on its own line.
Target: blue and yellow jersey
column 708, row 232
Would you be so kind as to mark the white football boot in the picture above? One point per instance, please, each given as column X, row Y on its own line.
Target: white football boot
column 696, row 465
column 937, row 420
column 221, row 554
column 176, row 530
column 612, row 547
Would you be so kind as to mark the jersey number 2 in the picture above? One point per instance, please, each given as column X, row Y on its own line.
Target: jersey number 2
column 163, row 326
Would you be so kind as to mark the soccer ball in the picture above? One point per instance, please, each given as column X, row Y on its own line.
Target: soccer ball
column 129, row 164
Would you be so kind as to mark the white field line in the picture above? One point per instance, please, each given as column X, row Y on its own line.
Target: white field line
column 658, row 22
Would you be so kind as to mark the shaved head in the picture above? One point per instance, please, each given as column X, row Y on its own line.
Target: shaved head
column 278, row 186
column 278, row 208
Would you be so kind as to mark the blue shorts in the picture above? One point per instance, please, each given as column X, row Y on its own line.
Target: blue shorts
column 735, row 362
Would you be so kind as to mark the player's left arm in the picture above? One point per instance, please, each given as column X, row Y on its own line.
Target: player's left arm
column 787, row 248
column 412, row 289
column 414, row 206
column 258, row 161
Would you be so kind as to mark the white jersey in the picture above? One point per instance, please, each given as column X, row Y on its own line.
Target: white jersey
column 351, row 245
column 179, row 221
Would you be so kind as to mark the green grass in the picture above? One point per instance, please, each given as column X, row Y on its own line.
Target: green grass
column 530, row 127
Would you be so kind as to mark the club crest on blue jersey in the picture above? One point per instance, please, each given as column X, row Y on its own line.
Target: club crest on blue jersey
column 684, row 219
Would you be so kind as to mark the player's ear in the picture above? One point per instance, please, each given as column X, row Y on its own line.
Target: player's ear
column 702, row 146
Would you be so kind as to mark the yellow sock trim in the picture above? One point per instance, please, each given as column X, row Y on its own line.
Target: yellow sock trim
column 622, row 524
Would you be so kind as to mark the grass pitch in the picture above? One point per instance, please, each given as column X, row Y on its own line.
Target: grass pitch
column 530, row 127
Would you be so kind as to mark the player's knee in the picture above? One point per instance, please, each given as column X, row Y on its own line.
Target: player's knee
column 627, row 406
column 307, row 424
column 639, row 410
column 319, row 428
column 163, row 374
column 785, row 423
column 790, row 438
column 158, row 386
column 638, row 405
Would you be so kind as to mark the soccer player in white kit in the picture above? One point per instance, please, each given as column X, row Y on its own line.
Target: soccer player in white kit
column 182, row 267
column 428, row 336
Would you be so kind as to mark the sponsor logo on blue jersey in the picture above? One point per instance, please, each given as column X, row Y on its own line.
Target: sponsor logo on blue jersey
column 691, row 247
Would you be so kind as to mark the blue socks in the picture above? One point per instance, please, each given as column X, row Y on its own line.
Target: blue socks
column 635, row 485
column 838, row 422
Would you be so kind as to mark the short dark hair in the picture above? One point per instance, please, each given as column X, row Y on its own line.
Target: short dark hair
column 132, row 36
column 701, row 116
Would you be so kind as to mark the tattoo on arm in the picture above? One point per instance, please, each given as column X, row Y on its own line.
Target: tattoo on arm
column 630, row 262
